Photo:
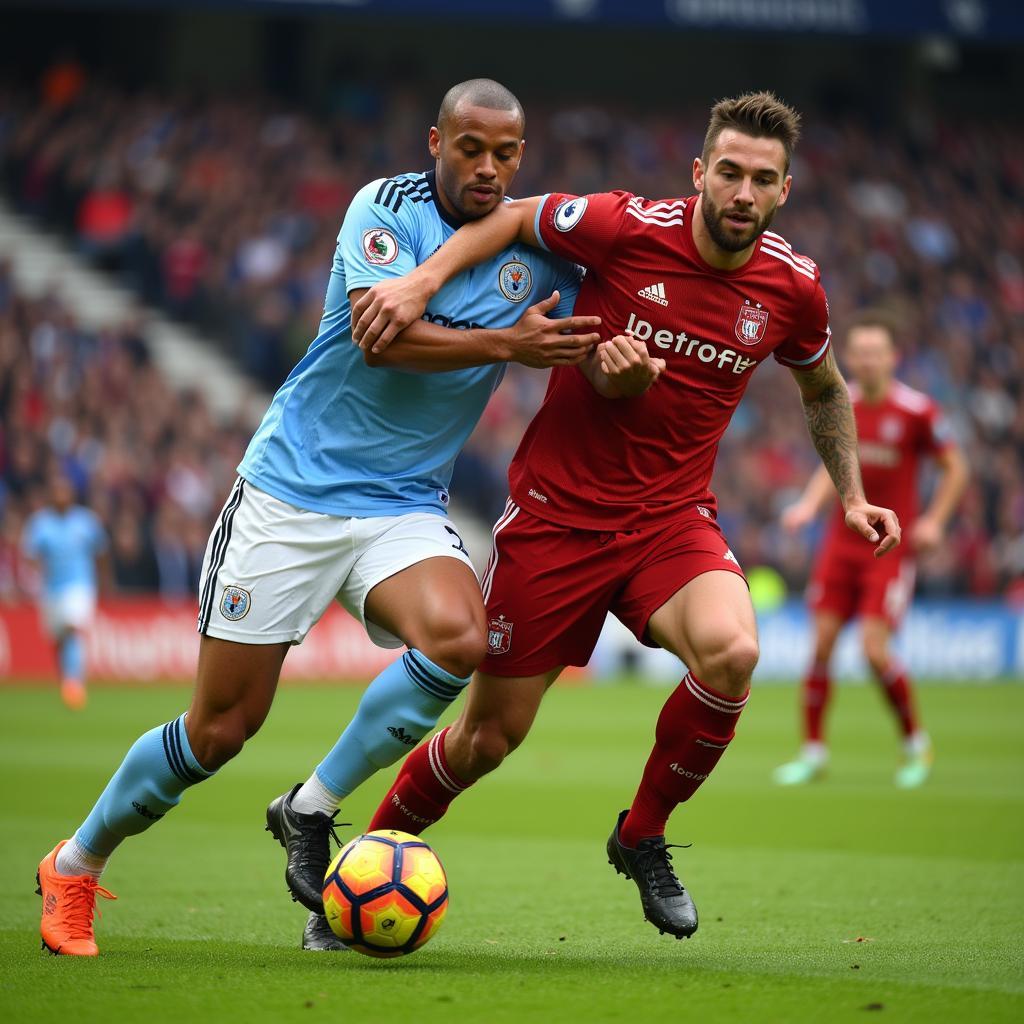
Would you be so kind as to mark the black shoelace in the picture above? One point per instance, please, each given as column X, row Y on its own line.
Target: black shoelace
column 656, row 864
column 320, row 829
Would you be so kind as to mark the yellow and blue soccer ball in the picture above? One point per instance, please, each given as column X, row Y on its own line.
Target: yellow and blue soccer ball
column 385, row 894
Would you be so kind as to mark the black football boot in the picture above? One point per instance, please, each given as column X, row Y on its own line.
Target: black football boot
column 666, row 904
column 318, row 936
column 307, row 841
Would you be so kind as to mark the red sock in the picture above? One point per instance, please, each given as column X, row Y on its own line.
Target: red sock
column 422, row 792
column 900, row 697
column 694, row 728
column 816, row 694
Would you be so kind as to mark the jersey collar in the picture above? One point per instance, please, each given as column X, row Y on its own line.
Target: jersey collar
column 449, row 218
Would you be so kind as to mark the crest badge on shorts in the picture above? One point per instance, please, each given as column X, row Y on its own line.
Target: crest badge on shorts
column 751, row 323
column 235, row 603
column 515, row 281
column 379, row 246
column 499, row 635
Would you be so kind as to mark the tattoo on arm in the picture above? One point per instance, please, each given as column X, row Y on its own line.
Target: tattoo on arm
column 833, row 429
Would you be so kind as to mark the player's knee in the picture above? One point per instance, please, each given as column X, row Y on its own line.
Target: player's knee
column 729, row 667
column 876, row 653
column 216, row 740
column 454, row 641
column 489, row 744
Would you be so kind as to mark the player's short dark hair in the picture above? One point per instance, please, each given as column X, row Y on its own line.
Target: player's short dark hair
column 875, row 316
column 760, row 114
column 480, row 92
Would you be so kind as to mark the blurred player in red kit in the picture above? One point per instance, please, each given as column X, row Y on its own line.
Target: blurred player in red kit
column 897, row 428
column 610, row 506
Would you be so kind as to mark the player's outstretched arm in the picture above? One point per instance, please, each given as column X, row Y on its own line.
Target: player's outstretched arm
column 816, row 495
column 833, row 430
column 390, row 306
column 534, row 340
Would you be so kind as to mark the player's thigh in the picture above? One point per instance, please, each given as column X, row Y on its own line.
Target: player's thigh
column 235, row 687
column 271, row 569
column 547, row 590
column 412, row 584
column 710, row 625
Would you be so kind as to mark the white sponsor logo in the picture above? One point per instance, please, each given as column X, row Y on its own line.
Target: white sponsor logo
column 569, row 213
column 681, row 342
column 536, row 494
column 686, row 773
column 654, row 293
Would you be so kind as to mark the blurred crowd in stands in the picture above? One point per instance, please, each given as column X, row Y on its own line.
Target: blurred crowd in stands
column 224, row 211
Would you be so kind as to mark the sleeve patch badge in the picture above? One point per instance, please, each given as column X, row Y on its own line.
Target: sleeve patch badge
column 379, row 246
column 569, row 213
column 515, row 281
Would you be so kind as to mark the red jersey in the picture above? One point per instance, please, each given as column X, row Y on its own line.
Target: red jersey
column 624, row 464
column 893, row 435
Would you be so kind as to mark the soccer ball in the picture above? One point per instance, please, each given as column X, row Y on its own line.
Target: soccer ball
column 385, row 894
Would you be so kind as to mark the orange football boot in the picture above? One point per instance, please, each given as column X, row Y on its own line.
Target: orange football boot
column 69, row 902
column 73, row 693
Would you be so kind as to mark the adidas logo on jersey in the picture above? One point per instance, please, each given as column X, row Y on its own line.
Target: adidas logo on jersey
column 654, row 293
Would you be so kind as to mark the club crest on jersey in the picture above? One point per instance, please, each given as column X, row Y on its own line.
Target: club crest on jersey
column 379, row 246
column 890, row 429
column 515, row 281
column 751, row 323
column 235, row 603
column 499, row 635
column 569, row 212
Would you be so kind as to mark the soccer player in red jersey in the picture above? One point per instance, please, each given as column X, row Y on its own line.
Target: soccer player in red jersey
column 610, row 506
column 897, row 428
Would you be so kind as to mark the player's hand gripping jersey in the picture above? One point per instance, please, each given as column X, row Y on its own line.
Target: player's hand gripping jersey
column 350, row 440
column 623, row 464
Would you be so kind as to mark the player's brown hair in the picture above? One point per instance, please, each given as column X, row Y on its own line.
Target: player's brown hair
column 875, row 316
column 760, row 114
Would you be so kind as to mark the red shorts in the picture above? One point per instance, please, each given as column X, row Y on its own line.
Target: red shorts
column 549, row 588
column 852, row 586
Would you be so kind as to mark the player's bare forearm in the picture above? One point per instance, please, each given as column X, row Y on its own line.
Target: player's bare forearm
column 379, row 314
column 428, row 348
column 950, row 487
column 830, row 421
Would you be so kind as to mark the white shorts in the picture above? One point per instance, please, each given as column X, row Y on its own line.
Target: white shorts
column 70, row 608
column 272, row 569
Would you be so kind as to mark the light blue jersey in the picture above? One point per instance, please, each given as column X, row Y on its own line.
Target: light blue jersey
column 66, row 546
column 347, row 439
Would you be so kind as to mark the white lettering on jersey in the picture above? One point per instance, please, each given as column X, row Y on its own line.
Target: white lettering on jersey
column 681, row 342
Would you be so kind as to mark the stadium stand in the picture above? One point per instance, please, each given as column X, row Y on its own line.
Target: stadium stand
column 224, row 211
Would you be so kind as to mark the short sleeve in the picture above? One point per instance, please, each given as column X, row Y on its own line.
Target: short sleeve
column 376, row 242
column 567, row 279
column 581, row 228
column 808, row 345
column 936, row 430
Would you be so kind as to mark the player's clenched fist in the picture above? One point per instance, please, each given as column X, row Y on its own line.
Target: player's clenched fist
column 540, row 342
column 625, row 361
column 876, row 524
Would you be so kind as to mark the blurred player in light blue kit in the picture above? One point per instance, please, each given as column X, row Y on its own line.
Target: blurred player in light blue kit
column 66, row 541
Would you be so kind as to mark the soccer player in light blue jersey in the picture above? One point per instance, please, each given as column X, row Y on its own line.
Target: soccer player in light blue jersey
column 342, row 495
column 67, row 544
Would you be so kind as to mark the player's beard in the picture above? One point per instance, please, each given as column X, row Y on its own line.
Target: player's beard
column 729, row 241
column 457, row 191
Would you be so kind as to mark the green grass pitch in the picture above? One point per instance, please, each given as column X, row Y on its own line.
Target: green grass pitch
column 540, row 927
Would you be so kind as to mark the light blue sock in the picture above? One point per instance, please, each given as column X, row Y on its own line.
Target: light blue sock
column 72, row 657
column 159, row 767
column 397, row 710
